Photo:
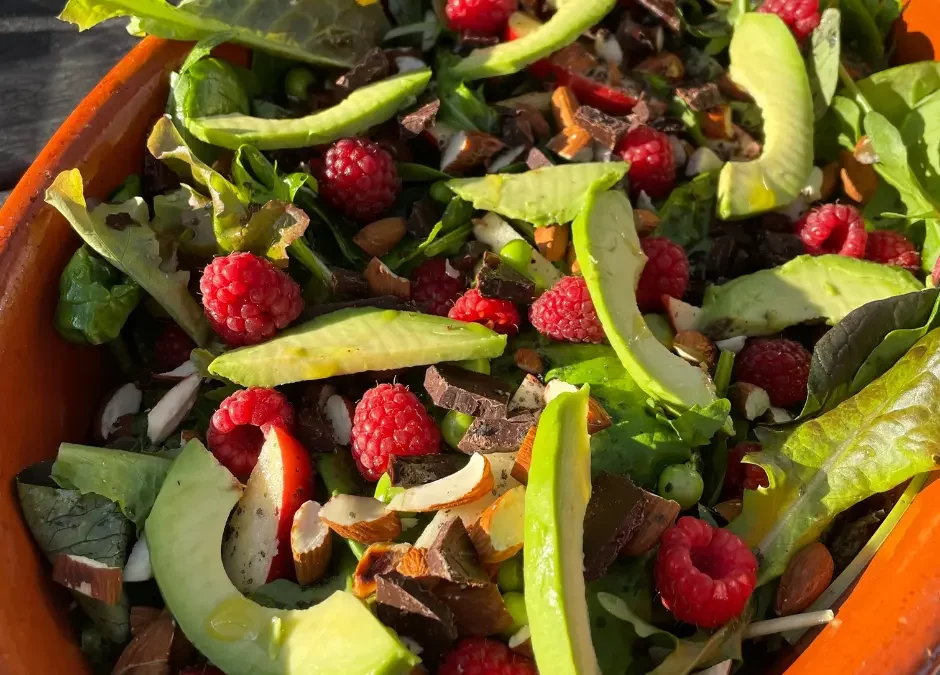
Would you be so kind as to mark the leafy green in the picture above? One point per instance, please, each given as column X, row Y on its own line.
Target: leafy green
column 461, row 107
column 897, row 91
column 210, row 87
column 884, row 13
column 260, row 180
column 284, row 594
column 860, row 33
column 410, row 172
column 630, row 581
column 133, row 249
column 130, row 479
column 921, row 134
column 94, row 299
column 685, row 216
column 822, row 62
column 268, row 231
column 133, row 186
column 186, row 216
column 329, row 32
column 885, row 434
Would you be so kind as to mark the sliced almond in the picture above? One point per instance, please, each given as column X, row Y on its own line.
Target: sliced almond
column 830, row 180
column 182, row 371
column 383, row 281
column 150, row 651
column 172, row 409
column 498, row 534
column 468, row 150
column 520, row 470
column 716, row 122
column 865, row 152
column 521, row 642
column 138, row 566
column 361, row 519
column 598, row 418
column 552, row 241
column 646, row 221
column 142, row 616
column 859, row 181
column 557, row 387
column 537, row 100
column 574, row 144
column 564, row 107
column 440, row 134
column 378, row 558
column 88, row 577
column 732, row 344
column 339, row 412
column 504, row 158
column 462, row 487
column 778, row 415
column 380, row 237
column 414, row 564
column 310, row 543
column 694, row 347
column 125, row 400
column 807, row 575
column 530, row 396
column 748, row 400
column 731, row 509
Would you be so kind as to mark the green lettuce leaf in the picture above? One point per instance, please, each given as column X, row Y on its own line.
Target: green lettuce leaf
column 885, row 434
column 130, row 479
column 133, row 249
column 822, row 62
column 921, row 133
column 897, row 91
column 186, row 216
column 267, row 232
column 258, row 178
column 461, row 107
column 686, row 214
column 328, row 32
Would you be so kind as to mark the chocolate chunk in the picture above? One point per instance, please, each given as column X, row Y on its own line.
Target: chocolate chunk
column 380, row 302
column 314, row 431
column 536, row 159
column 701, row 97
column 635, row 38
column 523, row 125
column 486, row 436
column 374, row 66
column 411, row 610
column 452, row 556
column 414, row 470
column 468, row 392
column 665, row 11
column 420, row 120
column 478, row 610
column 424, row 215
column 604, row 129
column 470, row 253
column 496, row 279
column 349, row 285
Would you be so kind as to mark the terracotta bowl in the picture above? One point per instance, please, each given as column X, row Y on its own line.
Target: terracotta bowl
column 49, row 390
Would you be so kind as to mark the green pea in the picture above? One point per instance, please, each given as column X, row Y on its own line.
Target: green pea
column 515, row 605
column 440, row 192
column 510, row 578
column 681, row 483
column 454, row 426
column 297, row 83
column 517, row 255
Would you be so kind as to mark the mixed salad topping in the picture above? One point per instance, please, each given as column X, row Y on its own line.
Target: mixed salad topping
column 486, row 336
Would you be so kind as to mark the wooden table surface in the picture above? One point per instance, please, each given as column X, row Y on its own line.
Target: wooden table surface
column 46, row 68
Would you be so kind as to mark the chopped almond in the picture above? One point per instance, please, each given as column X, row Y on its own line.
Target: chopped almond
column 575, row 58
column 694, row 347
column 468, row 150
column 378, row 558
column 564, row 107
column 311, row 544
column 414, row 563
column 382, row 281
column 574, row 144
column 716, row 122
column 462, row 487
column 361, row 519
column 521, row 642
column 830, row 180
column 529, row 361
column 498, row 534
column 150, row 651
column 646, row 221
column 141, row 617
column 598, row 419
column 520, row 470
column 859, row 181
column 88, row 577
column 380, row 237
column 552, row 241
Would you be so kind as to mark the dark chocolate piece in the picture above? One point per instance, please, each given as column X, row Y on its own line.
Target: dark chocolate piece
column 349, row 285
column 635, row 38
column 374, row 66
column 478, row 610
column 424, row 215
column 379, row 302
column 496, row 279
column 411, row 610
column 470, row 253
column 701, row 97
column 452, row 556
column 536, row 159
column 314, row 431
column 456, row 388
column 486, row 436
column 420, row 120
column 412, row 471
column 604, row 129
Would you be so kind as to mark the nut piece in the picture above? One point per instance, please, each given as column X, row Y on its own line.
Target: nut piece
column 380, row 237
column 361, row 519
column 152, row 649
column 694, row 347
column 378, row 559
column 564, row 107
column 574, row 144
column 830, row 180
column 529, row 361
column 597, row 418
column 806, row 577
column 716, row 122
column 383, row 281
column 730, row 509
column 748, row 400
column 88, row 577
column 468, row 150
column 462, row 487
column 498, row 533
column 646, row 221
column 865, row 151
column 141, row 617
column 414, row 564
column 311, row 544
column 859, row 181
column 520, row 469
column 665, row 64
column 552, row 241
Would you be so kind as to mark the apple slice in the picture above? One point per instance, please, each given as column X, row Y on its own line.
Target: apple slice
column 363, row 519
column 311, row 544
column 498, row 534
column 258, row 549
column 465, row 486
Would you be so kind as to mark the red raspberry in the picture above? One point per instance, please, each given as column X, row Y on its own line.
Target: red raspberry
column 390, row 420
column 566, row 312
column 801, row 16
column 247, row 299
column 495, row 314
column 481, row 656
column 935, row 275
column 652, row 165
column 740, row 476
column 666, row 273
column 359, row 178
column 436, row 285
column 236, row 430
column 173, row 347
column 483, row 17
column 777, row 365
column 892, row 248
column 833, row 228
column 704, row 574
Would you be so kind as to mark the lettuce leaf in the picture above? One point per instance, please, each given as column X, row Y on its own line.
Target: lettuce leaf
column 185, row 215
column 122, row 235
column 685, row 216
column 885, row 434
column 328, row 32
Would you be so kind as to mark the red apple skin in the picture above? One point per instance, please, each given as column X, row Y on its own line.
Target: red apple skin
column 298, row 478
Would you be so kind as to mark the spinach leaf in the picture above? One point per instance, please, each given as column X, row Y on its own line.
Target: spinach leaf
column 133, row 249
column 462, row 108
column 870, row 443
column 629, row 580
column 860, row 33
column 406, row 11
column 133, row 186
column 822, row 62
column 921, row 133
column 410, row 172
column 328, row 32
column 94, row 299
column 897, row 91
column 685, row 216
column 210, row 86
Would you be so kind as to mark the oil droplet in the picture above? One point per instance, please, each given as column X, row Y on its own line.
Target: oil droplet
column 276, row 639
column 234, row 619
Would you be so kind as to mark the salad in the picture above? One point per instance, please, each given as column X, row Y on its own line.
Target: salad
column 506, row 337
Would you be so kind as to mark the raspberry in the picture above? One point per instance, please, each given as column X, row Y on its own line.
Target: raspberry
column 390, row 420
column 435, row 286
column 740, row 476
column 666, row 273
column 935, row 275
column 173, row 347
column 481, row 656
column 247, row 299
column 236, row 430
column 566, row 312
column 833, row 228
column 652, row 165
column 483, row 17
column 801, row 16
column 498, row 315
column 777, row 365
column 359, row 178
column 704, row 574
column 892, row 248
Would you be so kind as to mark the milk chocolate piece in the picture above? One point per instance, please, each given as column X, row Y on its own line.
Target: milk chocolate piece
column 604, row 129
column 415, row 470
column 536, row 159
column 452, row 556
column 374, row 66
column 496, row 279
column 465, row 391
column 486, row 436
column 478, row 610
column 420, row 120
column 411, row 610
column 701, row 97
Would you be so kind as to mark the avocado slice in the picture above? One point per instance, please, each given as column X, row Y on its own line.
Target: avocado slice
column 611, row 261
column 184, row 531
column 354, row 341
column 556, row 498
column 805, row 289
column 361, row 110
column 564, row 27
column 552, row 194
column 766, row 61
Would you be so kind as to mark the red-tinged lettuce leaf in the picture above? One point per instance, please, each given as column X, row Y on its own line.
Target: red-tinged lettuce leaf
column 885, row 434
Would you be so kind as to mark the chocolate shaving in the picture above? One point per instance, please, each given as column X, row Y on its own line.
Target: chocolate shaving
column 635, row 38
column 314, row 431
column 604, row 129
column 412, row 611
column 487, row 436
column 467, row 42
column 701, row 97
column 496, row 279
column 452, row 556
column 420, row 120
column 412, row 471
column 374, row 66
column 468, row 392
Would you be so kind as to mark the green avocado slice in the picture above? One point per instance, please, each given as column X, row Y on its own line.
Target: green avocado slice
column 361, row 110
column 339, row 636
column 611, row 260
column 556, row 499
column 553, row 194
column 805, row 289
column 766, row 61
column 354, row 341
column 564, row 27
